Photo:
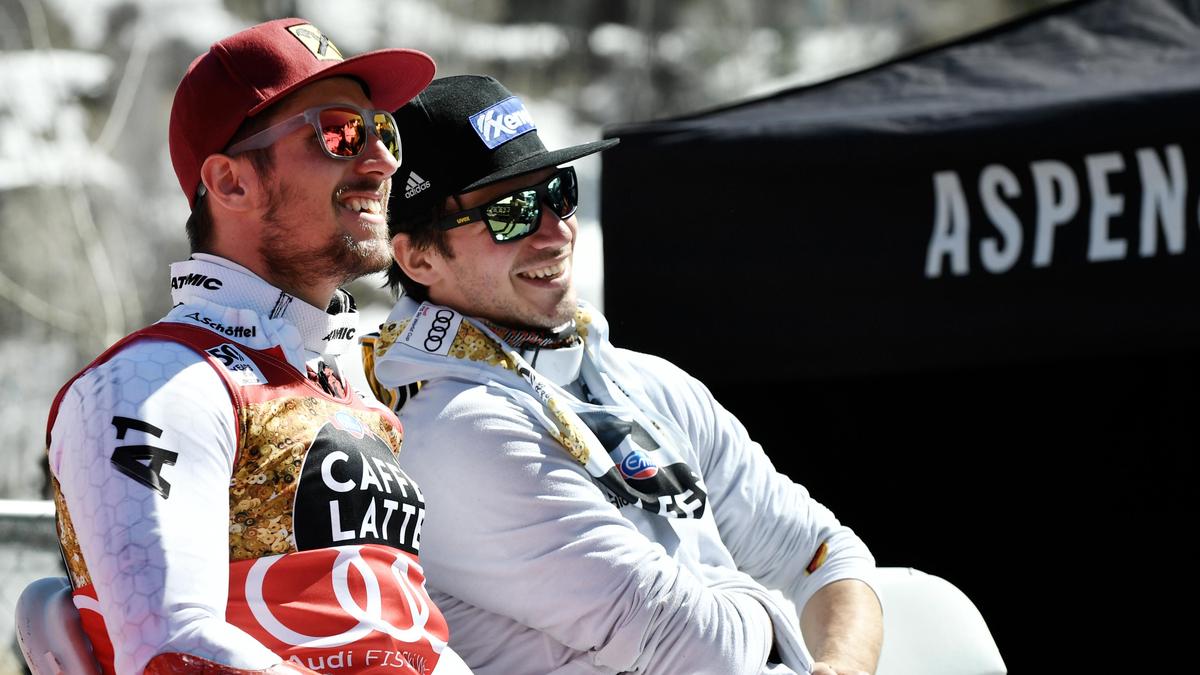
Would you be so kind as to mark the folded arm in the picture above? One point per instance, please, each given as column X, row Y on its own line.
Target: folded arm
column 779, row 534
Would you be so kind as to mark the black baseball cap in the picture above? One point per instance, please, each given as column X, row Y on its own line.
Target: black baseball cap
column 460, row 134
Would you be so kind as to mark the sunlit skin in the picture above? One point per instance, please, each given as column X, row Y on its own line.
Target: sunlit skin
column 296, row 227
column 492, row 281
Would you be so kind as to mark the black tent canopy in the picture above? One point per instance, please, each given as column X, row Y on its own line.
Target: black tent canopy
column 1026, row 193
column 955, row 295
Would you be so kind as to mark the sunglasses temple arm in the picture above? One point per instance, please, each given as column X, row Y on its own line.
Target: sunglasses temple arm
column 268, row 136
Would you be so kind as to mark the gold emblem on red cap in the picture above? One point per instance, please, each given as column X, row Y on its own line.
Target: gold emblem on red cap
column 312, row 38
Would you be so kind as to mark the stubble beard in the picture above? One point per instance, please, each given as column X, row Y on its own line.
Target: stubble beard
column 564, row 311
column 341, row 259
column 511, row 312
column 513, row 315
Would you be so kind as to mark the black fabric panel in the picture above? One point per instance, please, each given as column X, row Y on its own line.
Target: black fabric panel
column 1027, row 432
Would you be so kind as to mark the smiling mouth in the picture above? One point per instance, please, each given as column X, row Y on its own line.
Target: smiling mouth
column 548, row 272
column 373, row 206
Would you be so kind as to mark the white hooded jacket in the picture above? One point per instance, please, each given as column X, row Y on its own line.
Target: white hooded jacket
column 541, row 565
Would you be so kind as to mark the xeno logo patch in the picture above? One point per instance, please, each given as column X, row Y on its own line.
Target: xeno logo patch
column 502, row 122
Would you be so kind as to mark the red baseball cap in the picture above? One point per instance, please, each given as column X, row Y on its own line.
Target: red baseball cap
column 244, row 73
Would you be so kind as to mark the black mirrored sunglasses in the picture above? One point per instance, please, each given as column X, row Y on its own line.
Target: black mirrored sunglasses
column 517, row 214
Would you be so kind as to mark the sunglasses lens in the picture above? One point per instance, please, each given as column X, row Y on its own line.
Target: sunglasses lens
column 343, row 132
column 513, row 216
column 563, row 193
column 385, row 127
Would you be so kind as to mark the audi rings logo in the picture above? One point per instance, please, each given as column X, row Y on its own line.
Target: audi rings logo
column 437, row 331
column 432, row 329
column 395, row 604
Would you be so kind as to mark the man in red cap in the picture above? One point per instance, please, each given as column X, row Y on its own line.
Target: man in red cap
column 225, row 504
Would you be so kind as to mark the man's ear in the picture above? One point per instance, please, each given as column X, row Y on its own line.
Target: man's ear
column 418, row 263
column 230, row 182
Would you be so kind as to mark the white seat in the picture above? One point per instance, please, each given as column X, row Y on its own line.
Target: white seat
column 49, row 631
column 931, row 628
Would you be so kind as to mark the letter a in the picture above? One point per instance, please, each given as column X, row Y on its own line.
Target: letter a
column 368, row 523
column 950, row 226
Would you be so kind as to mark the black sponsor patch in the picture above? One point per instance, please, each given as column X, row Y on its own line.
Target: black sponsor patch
column 674, row 490
column 352, row 491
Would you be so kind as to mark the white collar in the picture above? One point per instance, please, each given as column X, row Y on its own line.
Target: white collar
column 561, row 365
column 223, row 282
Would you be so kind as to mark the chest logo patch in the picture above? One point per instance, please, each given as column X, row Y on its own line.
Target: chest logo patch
column 637, row 465
column 671, row 489
column 240, row 367
column 432, row 329
column 352, row 491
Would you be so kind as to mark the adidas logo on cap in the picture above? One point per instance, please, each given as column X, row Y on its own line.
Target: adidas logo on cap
column 415, row 185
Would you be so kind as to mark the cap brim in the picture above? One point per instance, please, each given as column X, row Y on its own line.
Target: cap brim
column 393, row 77
column 541, row 161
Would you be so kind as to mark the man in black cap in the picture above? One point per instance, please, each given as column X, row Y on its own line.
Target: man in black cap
column 591, row 509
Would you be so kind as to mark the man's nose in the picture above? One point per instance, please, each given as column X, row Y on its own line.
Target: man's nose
column 376, row 158
column 552, row 231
